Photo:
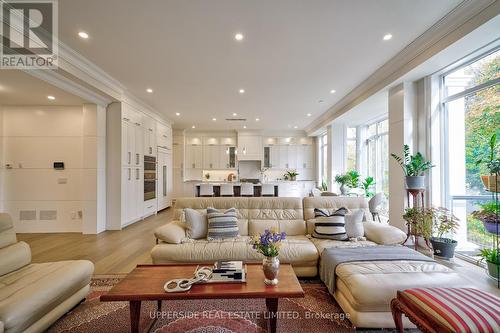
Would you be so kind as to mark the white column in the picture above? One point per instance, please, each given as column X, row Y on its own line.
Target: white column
column 329, row 166
column 337, row 142
column 94, row 169
column 402, row 125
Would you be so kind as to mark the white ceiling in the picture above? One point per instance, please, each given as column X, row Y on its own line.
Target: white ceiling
column 19, row 88
column 294, row 52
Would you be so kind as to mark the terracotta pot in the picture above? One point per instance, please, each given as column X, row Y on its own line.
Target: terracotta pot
column 491, row 183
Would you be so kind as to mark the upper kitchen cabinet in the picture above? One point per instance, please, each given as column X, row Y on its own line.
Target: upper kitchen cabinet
column 228, row 141
column 149, row 136
column 163, row 136
column 194, row 153
column 250, row 147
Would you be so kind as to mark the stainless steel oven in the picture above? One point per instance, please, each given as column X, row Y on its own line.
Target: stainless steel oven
column 149, row 177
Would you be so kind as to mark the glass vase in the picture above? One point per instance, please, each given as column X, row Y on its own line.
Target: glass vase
column 271, row 267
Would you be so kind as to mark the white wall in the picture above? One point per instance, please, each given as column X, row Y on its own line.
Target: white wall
column 33, row 138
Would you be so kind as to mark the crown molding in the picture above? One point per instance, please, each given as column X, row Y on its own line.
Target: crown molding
column 463, row 19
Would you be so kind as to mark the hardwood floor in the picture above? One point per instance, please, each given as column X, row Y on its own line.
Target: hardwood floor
column 118, row 252
column 112, row 252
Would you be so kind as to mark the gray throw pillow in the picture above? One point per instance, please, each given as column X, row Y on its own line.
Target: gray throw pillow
column 354, row 224
column 196, row 223
column 222, row 224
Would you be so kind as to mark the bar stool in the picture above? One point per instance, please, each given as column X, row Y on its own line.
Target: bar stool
column 246, row 190
column 227, row 190
column 267, row 190
column 206, row 190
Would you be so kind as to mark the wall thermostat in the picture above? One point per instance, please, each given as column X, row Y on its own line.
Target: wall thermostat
column 59, row 165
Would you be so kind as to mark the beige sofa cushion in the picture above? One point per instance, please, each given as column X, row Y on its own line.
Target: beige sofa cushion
column 294, row 250
column 31, row 292
column 7, row 233
column 14, row 257
column 284, row 214
column 331, row 204
column 370, row 286
column 173, row 232
column 383, row 234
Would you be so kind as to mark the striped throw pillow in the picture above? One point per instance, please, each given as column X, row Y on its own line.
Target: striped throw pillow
column 330, row 226
column 222, row 224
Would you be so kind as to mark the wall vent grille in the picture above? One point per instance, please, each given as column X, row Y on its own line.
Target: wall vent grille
column 48, row 215
column 236, row 119
column 27, row 215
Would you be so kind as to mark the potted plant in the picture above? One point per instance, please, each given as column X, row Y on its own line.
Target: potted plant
column 269, row 244
column 414, row 168
column 492, row 163
column 492, row 261
column 353, row 178
column 291, row 175
column 444, row 222
column 488, row 215
column 367, row 185
column 344, row 181
column 324, row 186
column 419, row 221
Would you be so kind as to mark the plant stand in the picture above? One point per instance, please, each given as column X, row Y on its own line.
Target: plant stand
column 417, row 196
column 494, row 197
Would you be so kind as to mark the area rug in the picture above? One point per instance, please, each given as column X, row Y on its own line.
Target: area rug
column 316, row 312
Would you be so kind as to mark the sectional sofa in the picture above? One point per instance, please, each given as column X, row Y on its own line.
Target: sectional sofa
column 364, row 289
column 33, row 296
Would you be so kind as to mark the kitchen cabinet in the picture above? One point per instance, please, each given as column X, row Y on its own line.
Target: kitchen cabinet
column 194, row 157
column 163, row 136
column 149, row 136
column 250, row 147
column 212, row 157
column 164, row 185
column 130, row 133
column 305, row 157
column 292, row 157
column 283, row 157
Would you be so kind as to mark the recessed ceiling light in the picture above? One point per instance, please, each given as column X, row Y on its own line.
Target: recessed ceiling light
column 51, row 97
column 309, row 114
column 387, row 36
column 234, row 114
column 332, row 91
column 193, row 126
column 177, row 114
column 244, row 126
column 239, row 37
column 214, row 119
column 257, row 119
column 83, row 34
column 242, row 91
column 295, row 127
column 149, row 90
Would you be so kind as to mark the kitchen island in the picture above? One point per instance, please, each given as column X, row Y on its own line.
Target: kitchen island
column 257, row 189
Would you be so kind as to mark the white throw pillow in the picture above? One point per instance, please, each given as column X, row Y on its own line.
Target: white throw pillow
column 354, row 224
column 196, row 223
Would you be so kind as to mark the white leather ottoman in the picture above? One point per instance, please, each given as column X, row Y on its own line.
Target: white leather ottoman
column 365, row 289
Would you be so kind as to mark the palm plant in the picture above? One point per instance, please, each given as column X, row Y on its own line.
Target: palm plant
column 412, row 165
column 366, row 186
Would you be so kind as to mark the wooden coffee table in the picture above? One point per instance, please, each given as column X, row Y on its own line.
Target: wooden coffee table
column 145, row 283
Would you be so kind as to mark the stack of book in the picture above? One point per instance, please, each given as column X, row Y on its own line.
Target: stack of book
column 228, row 271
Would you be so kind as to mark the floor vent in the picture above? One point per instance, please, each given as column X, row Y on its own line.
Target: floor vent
column 27, row 215
column 48, row 215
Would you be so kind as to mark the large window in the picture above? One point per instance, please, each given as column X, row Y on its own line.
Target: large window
column 351, row 148
column 377, row 155
column 471, row 99
column 323, row 155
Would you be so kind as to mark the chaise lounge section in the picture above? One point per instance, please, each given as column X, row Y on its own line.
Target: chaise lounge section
column 33, row 296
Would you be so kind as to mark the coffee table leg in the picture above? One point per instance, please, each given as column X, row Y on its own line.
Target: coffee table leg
column 135, row 316
column 272, row 309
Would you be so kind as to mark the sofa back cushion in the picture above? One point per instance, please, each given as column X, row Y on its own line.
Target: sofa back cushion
column 283, row 214
column 254, row 214
column 331, row 204
column 14, row 257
